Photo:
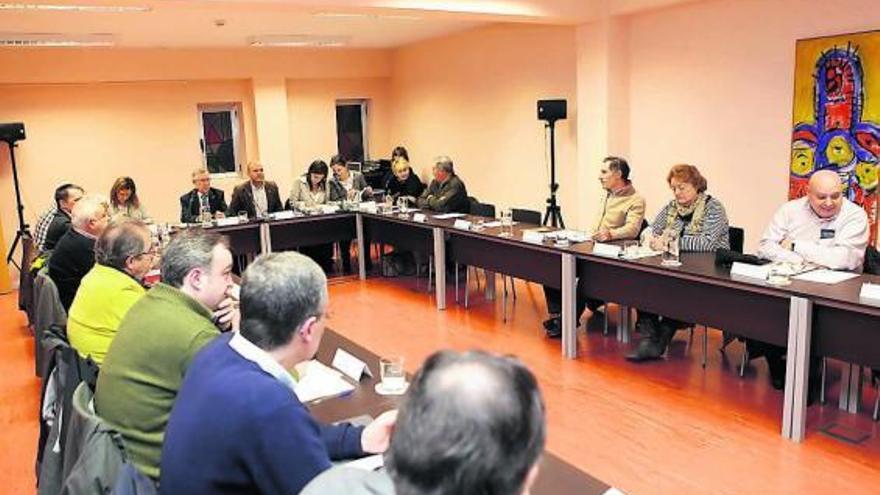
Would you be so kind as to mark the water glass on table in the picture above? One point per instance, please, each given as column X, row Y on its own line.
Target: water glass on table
column 242, row 217
column 393, row 375
column 506, row 223
column 671, row 248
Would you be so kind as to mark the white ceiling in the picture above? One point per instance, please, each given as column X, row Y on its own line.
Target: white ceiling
column 374, row 23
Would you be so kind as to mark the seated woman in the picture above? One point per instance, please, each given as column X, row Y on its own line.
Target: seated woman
column 351, row 181
column 310, row 190
column 701, row 222
column 124, row 254
column 403, row 182
column 124, row 200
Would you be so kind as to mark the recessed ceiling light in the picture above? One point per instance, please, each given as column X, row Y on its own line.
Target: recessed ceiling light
column 55, row 40
column 294, row 41
column 100, row 9
column 355, row 15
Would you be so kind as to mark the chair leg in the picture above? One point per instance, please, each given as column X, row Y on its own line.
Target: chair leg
column 691, row 336
column 822, row 386
column 513, row 287
column 430, row 272
column 467, row 286
column 605, row 311
column 504, row 301
column 705, row 344
column 742, row 365
column 877, row 405
column 456, row 283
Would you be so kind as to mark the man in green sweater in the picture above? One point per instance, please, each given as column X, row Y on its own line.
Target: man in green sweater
column 158, row 338
column 620, row 217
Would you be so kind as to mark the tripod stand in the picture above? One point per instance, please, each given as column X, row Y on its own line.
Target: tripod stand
column 553, row 215
column 23, row 233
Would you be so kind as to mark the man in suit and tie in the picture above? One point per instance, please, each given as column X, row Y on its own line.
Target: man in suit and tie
column 257, row 196
column 202, row 197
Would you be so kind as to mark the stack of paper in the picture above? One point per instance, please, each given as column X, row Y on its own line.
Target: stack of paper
column 826, row 276
column 318, row 381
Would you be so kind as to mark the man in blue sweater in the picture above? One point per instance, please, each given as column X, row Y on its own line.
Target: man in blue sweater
column 237, row 427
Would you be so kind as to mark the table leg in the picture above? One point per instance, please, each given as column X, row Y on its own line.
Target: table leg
column 569, row 335
column 440, row 266
column 265, row 238
column 490, row 285
column 794, row 413
column 363, row 251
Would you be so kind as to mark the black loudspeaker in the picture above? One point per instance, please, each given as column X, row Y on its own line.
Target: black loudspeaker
column 11, row 133
column 551, row 110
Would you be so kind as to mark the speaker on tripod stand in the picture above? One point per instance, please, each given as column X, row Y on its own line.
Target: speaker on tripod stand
column 11, row 134
column 551, row 111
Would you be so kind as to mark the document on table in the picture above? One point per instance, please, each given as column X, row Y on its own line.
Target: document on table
column 446, row 216
column 826, row 276
column 318, row 381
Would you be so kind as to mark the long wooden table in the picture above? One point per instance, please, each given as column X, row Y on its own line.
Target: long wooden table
column 556, row 477
column 831, row 319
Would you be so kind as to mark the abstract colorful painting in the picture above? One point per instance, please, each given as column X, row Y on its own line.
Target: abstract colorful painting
column 837, row 116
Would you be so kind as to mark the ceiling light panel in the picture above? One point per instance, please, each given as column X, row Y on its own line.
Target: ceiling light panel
column 95, row 9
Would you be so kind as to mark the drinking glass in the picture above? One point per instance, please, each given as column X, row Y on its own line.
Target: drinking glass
column 779, row 275
column 392, row 373
column 671, row 248
column 507, row 223
column 242, row 217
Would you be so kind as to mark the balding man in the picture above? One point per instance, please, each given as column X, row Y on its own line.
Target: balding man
column 823, row 228
column 202, row 198
column 447, row 192
column 258, row 197
column 74, row 255
column 472, row 422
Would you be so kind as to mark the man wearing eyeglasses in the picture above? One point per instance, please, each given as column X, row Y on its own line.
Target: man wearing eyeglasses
column 124, row 253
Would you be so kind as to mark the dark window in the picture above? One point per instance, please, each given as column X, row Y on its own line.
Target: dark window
column 351, row 130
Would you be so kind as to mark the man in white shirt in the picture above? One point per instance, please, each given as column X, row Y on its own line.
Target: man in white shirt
column 823, row 228
column 257, row 196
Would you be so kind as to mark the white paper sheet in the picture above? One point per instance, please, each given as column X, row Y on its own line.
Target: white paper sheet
column 318, row 381
column 446, row 216
column 826, row 276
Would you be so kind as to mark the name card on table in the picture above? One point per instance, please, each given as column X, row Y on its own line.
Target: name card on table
column 368, row 206
column 462, row 224
column 349, row 365
column 532, row 236
column 225, row 222
column 747, row 270
column 282, row 215
column 328, row 209
column 419, row 217
column 870, row 291
column 607, row 250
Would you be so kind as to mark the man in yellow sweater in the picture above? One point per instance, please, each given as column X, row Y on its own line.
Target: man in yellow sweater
column 621, row 214
column 124, row 254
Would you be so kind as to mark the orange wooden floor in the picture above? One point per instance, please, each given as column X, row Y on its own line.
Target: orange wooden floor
column 665, row 427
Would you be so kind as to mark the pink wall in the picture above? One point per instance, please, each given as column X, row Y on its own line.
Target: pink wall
column 92, row 133
column 711, row 84
column 312, row 111
column 473, row 96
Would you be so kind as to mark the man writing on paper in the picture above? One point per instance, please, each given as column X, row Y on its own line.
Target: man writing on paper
column 620, row 218
column 822, row 228
column 237, row 414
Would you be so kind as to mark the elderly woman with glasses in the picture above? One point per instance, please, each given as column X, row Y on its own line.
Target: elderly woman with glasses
column 699, row 222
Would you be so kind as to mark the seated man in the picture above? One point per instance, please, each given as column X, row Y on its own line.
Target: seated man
column 447, row 192
column 123, row 255
column 258, row 197
column 202, row 198
column 822, row 228
column 471, row 423
column 264, row 441
column 74, row 255
column 620, row 218
column 56, row 221
column 158, row 338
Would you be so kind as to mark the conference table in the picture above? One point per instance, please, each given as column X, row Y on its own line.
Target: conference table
column 808, row 318
column 556, row 477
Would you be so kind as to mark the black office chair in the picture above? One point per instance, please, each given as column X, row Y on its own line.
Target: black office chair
column 526, row 216
column 737, row 237
column 872, row 267
column 481, row 210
